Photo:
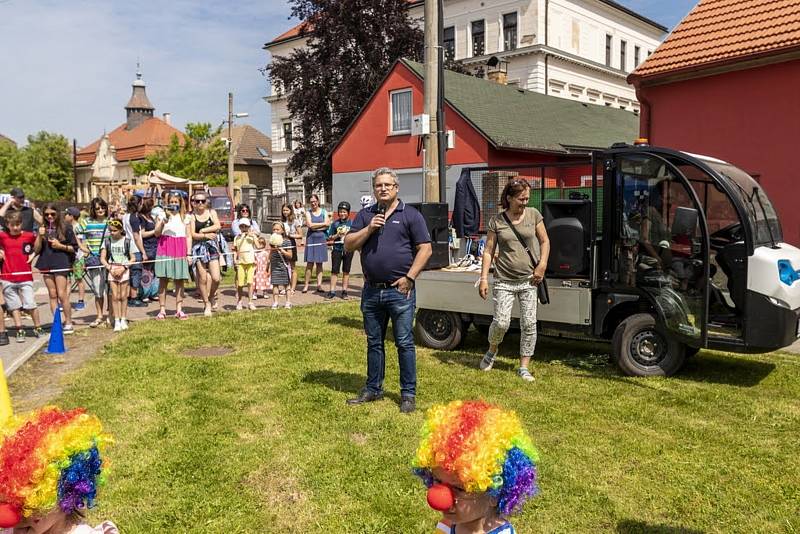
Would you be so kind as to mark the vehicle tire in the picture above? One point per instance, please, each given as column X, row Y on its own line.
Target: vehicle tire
column 440, row 330
column 692, row 351
column 641, row 350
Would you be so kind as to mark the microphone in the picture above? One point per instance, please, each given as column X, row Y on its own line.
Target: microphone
column 381, row 211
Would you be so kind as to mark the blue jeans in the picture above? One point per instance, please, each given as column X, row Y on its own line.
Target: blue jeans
column 136, row 271
column 378, row 306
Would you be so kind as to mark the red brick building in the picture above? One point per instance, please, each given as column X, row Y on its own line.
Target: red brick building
column 725, row 84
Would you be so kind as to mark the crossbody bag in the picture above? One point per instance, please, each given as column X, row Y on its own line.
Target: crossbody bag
column 541, row 288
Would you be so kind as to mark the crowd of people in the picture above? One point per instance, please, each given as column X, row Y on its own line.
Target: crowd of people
column 128, row 254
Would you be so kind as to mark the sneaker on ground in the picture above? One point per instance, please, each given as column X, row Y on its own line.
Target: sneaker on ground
column 69, row 329
column 287, row 305
column 207, row 312
column 20, row 336
column 344, row 295
column 252, row 306
column 4, row 338
column 274, row 305
column 124, row 324
column 238, row 305
column 79, row 305
column 525, row 374
column 117, row 326
column 488, row 361
column 329, row 295
column 38, row 332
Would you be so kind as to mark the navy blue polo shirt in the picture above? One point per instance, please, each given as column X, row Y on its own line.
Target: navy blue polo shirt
column 387, row 256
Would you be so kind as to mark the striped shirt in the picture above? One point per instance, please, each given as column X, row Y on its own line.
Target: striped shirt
column 91, row 233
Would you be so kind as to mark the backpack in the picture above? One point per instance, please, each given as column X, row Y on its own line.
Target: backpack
column 107, row 246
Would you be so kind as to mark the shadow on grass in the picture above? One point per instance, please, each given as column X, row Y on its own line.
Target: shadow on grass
column 348, row 322
column 717, row 368
column 629, row 526
column 345, row 382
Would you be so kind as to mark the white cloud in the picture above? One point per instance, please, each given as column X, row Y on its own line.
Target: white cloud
column 67, row 66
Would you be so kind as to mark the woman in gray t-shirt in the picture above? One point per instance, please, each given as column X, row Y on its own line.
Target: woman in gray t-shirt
column 514, row 275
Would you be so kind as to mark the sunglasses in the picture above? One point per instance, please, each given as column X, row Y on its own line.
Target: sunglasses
column 198, row 201
column 49, row 214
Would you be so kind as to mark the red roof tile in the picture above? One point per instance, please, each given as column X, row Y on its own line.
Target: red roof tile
column 725, row 31
column 147, row 138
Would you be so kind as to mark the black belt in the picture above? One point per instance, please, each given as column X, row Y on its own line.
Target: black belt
column 379, row 285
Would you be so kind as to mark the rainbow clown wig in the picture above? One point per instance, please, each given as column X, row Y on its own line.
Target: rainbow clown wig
column 50, row 458
column 484, row 446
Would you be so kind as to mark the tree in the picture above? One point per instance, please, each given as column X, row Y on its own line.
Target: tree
column 351, row 47
column 43, row 168
column 199, row 155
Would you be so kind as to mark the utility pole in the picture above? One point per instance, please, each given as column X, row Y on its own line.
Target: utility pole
column 431, row 141
column 230, row 148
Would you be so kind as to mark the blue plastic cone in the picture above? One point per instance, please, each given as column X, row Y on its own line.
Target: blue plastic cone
column 56, row 343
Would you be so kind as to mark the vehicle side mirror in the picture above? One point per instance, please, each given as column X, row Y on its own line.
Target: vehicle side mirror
column 685, row 221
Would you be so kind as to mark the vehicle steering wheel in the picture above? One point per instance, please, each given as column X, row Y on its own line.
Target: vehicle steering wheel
column 727, row 235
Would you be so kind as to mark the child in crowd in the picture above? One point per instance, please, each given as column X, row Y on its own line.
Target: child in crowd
column 52, row 467
column 261, row 281
column 244, row 246
column 478, row 464
column 279, row 256
column 17, row 250
column 116, row 257
column 340, row 258
column 71, row 219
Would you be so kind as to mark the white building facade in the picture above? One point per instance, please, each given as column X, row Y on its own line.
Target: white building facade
column 577, row 49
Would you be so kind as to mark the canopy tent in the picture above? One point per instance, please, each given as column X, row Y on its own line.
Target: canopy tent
column 164, row 179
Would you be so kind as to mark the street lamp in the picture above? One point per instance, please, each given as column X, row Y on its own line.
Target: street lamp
column 231, row 116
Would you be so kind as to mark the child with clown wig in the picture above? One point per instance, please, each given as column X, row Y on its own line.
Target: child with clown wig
column 51, row 465
column 479, row 466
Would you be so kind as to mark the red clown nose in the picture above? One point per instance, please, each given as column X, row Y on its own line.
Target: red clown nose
column 440, row 497
column 9, row 516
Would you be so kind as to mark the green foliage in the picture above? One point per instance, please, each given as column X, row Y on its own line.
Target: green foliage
column 261, row 440
column 200, row 155
column 349, row 52
column 43, row 168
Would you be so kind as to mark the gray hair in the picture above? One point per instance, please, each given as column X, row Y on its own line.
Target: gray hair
column 384, row 170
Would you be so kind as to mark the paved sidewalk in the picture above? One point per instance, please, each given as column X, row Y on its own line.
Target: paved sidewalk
column 15, row 354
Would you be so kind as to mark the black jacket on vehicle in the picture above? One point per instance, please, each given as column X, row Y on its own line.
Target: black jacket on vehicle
column 466, row 207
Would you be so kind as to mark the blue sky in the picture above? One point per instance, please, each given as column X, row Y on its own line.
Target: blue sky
column 68, row 66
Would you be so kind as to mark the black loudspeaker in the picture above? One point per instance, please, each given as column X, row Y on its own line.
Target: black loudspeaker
column 435, row 215
column 568, row 224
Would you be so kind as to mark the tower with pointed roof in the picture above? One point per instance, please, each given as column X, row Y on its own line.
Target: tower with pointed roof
column 138, row 108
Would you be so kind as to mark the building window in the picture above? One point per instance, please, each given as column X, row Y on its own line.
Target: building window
column 623, row 51
column 478, row 38
column 401, row 111
column 608, row 50
column 510, row 31
column 637, row 52
column 450, row 43
column 287, row 136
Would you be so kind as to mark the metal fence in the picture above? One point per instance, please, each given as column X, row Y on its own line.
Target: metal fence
column 554, row 181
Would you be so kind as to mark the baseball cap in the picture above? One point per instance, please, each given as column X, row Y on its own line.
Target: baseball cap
column 344, row 205
column 17, row 192
column 244, row 221
column 72, row 210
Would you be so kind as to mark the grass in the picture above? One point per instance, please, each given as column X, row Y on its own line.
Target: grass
column 261, row 440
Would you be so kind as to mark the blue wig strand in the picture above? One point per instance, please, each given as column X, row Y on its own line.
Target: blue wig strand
column 519, row 482
column 77, row 486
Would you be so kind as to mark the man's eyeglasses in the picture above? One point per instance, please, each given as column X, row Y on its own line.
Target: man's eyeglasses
column 384, row 186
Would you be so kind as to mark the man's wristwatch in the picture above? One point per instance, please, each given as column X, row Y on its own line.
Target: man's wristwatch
column 413, row 281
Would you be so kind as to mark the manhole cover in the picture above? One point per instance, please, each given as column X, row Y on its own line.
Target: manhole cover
column 208, row 352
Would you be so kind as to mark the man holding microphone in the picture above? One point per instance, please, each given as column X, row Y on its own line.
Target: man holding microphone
column 395, row 246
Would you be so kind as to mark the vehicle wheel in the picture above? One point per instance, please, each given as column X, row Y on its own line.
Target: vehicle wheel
column 640, row 350
column 439, row 329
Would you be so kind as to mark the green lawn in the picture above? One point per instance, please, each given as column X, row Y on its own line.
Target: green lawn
column 261, row 440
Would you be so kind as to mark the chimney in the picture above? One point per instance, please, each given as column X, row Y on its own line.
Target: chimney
column 168, row 118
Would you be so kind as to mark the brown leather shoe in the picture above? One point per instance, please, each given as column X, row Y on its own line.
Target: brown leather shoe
column 365, row 396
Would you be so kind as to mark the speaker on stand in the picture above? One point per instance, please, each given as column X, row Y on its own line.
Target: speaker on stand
column 568, row 224
column 435, row 215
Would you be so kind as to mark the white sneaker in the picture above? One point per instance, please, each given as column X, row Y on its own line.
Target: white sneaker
column 69, row 329
column 525, row 374
column 238, row 305
column 123, row 324
column 117, row 326
column 207, row 312
column 488, row 361
column 274, row 305
column 288, row 305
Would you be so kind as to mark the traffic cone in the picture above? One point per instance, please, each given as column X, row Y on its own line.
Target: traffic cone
column 5, row 398
column 56, row 343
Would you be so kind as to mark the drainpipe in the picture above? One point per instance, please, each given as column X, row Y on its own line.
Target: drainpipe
column 546, row 42
column 646, row 121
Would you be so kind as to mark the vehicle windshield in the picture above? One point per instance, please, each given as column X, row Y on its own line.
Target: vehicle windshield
column 763, row 218
column 222, row 204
